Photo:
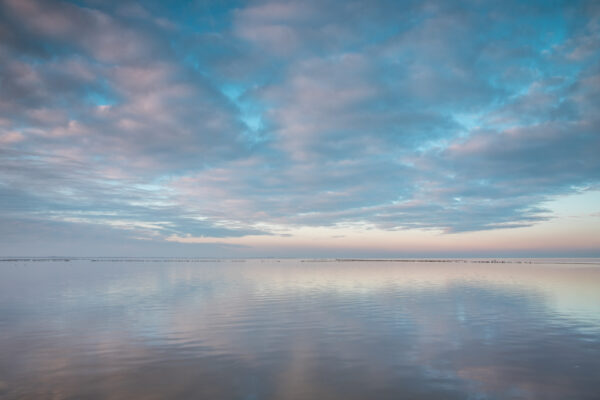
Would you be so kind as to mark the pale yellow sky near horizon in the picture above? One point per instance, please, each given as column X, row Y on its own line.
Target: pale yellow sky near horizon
column 573, row 224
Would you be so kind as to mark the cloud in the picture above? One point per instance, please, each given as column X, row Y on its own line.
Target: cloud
column 225, row 120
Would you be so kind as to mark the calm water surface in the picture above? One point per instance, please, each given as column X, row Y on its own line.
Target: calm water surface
column 294, row 329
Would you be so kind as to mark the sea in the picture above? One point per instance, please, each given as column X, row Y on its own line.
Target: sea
column 197, row 328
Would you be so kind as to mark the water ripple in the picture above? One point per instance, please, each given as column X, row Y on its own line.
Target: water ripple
column 294, row 329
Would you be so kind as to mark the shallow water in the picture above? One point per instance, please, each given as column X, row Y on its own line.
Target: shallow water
column 299, row 329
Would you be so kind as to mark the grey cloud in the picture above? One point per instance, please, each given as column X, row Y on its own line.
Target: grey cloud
column 159, row 114
column 437, row 115
column 74, row 191
column 42, row 238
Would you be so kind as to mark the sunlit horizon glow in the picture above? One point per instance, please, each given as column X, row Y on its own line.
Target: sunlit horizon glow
column 300, row 128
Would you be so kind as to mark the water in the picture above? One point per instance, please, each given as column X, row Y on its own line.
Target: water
column 299, row 329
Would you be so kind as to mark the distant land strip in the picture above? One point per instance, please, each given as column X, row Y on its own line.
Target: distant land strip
column 315, row 260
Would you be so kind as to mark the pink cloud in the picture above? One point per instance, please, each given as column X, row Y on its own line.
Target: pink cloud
column 12, row 137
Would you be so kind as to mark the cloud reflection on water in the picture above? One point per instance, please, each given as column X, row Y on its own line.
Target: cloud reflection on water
column 291, row 329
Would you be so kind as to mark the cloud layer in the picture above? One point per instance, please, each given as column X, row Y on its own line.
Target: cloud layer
column 224, row 119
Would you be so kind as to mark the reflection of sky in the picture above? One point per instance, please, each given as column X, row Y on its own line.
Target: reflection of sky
column 291, row 329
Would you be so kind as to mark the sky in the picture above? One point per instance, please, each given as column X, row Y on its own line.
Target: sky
column 315, row 128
